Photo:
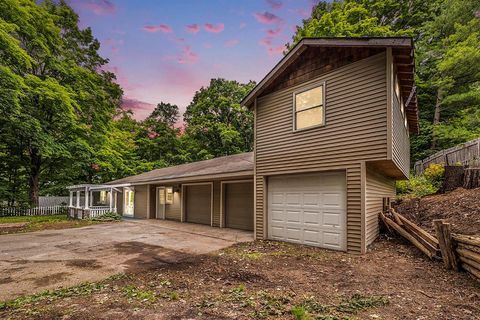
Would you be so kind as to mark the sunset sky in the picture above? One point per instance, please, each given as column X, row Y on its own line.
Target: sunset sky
column 166, row 50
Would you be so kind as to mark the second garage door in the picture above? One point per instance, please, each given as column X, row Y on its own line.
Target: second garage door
column 198, row 203
column 239, row 205
column 308, row 209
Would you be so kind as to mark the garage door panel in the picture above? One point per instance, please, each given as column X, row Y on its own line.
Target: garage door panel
column 309, row 209
column 198, row 203
column 238, row 205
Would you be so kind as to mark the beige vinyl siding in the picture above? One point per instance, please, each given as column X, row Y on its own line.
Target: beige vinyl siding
column 400, row 138
column 216, row 204
column 355, row 131
column 377, row 188
column 173, row 211
column 140, row 202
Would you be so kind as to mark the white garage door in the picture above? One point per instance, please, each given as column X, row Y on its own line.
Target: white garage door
column 308, row 209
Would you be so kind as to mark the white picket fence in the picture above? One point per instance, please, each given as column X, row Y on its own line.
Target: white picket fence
column 36, row 211
column 93, row 212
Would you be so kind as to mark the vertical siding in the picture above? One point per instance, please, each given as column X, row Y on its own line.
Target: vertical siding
column 140, row 202
column 120, row 202
column 377, row 188
column 355, row 131
column 400, row 138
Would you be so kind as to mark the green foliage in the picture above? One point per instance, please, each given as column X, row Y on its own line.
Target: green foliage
column 134, row 293
column 419, row 186
column 109, row 216
column 435, row 174
column 215, row 123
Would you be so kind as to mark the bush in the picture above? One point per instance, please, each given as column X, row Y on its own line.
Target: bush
column 419, row 186
column 108, row 216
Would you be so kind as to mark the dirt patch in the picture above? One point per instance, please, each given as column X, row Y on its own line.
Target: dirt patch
column 51, row 279
column 272, row 280
column 460, row 207
column 12, row 227
column 83, row 263
column 6, row 280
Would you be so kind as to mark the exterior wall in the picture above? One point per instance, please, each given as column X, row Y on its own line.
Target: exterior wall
column 377, row 188
column 120, row 203
column 355, row 131
column 216, row 204
column 400, row 137
column 174, row 211
column 141, row 202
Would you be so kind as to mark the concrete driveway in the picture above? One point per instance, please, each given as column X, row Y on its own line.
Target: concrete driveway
column 33, row 262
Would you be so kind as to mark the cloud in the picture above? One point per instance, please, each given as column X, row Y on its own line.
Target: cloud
column 215, row 28
column 276, row 50
column 231, row 43
column 156, row 28
column 187, row 56
column 267, row 18
column 98, row 7
column 140, row 109
column 242, row 25
column 275, row 4
column 274, row 32
column 192, row 28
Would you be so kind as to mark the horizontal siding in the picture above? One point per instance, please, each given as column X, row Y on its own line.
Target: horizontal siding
column 140, row 202
column 377, row 188
column 355, row 131
column 400, row 139
column 173, row 211
column 216, row 204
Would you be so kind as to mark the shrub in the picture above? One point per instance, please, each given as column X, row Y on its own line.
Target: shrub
column 108, row 216
column 435, row 174
column 419, row 186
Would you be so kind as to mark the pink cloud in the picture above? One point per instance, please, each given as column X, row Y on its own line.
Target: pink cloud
column 187, row 56
column 192, row 28
column 140, row 109
column 98, row 7
column 161, row 27
column 242, row 25
column 275, row 4
column 215, row 28
column 274, row 32
column 267, row 18
column 231, row 43
column 207, row 45
column 277, row 50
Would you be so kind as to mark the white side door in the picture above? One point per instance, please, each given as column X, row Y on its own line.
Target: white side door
column 129, row 202
column 160, row 211
column 308, row 209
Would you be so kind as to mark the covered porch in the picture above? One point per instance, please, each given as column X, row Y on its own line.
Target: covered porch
column 92, row 200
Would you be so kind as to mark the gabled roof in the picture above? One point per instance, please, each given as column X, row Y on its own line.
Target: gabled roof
column 234, row 165
column 402, row 49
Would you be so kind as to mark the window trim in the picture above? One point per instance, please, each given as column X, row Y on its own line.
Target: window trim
column 322, row 84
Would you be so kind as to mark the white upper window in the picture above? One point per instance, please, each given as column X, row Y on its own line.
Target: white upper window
column 309, row 109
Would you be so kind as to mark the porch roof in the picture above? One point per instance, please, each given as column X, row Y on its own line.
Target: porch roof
column 228, row 166
column 92, row 187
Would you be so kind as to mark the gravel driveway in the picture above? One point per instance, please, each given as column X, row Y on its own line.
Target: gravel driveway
column 33, row 262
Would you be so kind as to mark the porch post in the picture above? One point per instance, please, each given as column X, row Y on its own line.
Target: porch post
column 87, row 191
column 71, row 199
column 111, row 199
column 115, row 202
column 78, row 199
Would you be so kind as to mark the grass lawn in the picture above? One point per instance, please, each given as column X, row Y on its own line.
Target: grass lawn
column 20, row 224
column 269, row 280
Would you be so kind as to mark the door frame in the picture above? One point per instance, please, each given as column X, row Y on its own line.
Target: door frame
column 157, row 203
column 184, row 198
column 222, row 199
column 126, row 190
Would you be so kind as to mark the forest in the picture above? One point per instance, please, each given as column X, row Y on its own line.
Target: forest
column 61, row 116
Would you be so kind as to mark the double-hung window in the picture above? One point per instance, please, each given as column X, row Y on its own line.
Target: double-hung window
column 309, row 108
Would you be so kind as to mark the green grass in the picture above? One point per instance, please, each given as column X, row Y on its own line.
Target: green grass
column 35, row 223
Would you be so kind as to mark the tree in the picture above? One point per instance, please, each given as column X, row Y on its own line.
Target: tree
column 449, row 66
column 215, row 123
column 54, row 98
column 157, row 139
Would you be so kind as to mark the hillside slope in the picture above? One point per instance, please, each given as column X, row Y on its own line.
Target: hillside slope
column 460, row 207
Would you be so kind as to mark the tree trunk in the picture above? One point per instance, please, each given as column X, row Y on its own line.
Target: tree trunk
column 34, row 177
column 436, row 117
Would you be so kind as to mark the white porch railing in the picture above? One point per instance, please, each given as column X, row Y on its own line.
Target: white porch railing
column 36, row 211
column 86, row 213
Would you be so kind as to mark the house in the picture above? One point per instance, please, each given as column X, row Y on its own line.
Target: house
column 332, row 126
